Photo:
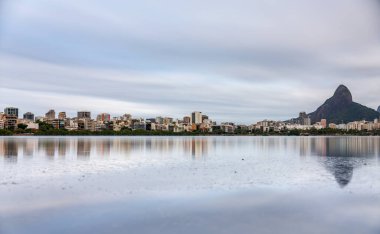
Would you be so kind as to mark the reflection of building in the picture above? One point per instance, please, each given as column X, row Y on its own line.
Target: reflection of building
column 84, row 148
column 103, row 147
column 28, row 148
column 47, row 146
column 199, row 148
column 10, row 150
column 62, row 147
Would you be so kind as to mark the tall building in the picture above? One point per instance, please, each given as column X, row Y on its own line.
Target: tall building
column 304, row 119
column 29, row 116
column 204, row 117
column 50, row 115
column 168, row 120
column 159, row 120
column 127, row 117
column 151, row 120
column 104, row 117
column 196, row 117
column 84, row 115
column 302, row 115
column 62, row 115
column 58, row 123
column 10, row 122
column 84, row 124
column 13, row 111
column 187, row 120
column 307, row 121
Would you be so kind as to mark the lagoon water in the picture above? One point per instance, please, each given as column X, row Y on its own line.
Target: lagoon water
column 221, row 184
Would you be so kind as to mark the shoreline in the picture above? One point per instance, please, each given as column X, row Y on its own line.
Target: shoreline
column 189, row 135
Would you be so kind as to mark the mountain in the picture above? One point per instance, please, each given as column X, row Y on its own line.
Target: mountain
column 341, row 108
column 378, row 109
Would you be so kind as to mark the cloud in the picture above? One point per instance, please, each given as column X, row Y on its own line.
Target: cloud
column 240, row 61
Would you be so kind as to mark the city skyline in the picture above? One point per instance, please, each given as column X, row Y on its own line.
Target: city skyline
column 241, row 61
column 72, row 114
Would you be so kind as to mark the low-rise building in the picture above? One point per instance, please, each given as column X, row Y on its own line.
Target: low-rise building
column 10, row 122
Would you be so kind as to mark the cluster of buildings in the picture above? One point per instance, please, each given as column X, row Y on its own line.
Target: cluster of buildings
column 303, row 122
column 10, row 119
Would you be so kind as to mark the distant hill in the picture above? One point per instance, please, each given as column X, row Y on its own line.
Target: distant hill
column 341, row 108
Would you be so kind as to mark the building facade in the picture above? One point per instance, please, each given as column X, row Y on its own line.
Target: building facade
column 196, row 117
column 104, row 117
column 29, row 116
column 50, row 115
column 62, row 115
column 84, row 115
column 11, row 111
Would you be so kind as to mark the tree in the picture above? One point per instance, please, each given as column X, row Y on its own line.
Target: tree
column 22, row 126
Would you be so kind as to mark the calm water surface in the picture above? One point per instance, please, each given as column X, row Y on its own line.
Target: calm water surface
column 189, row 185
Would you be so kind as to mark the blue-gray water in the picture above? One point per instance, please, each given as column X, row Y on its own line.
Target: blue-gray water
column 189, row 185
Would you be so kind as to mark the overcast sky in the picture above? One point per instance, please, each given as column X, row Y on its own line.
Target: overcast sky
column 241, row 60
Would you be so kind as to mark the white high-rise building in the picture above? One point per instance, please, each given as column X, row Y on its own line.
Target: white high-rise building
column 196, row 117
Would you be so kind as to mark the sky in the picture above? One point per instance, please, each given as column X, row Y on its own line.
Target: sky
column 241, row 60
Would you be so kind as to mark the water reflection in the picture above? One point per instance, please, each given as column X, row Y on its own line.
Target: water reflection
column 10, row 151
column 85, row 148
column 339, row 155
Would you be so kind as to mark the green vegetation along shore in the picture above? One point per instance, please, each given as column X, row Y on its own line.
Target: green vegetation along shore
column 64, row 132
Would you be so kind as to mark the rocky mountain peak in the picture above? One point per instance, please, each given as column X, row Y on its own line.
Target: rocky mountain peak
column 342, row 96
column 341, row 108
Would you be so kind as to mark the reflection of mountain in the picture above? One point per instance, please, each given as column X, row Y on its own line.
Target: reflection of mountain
column 341, row 168
column 340, row 155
